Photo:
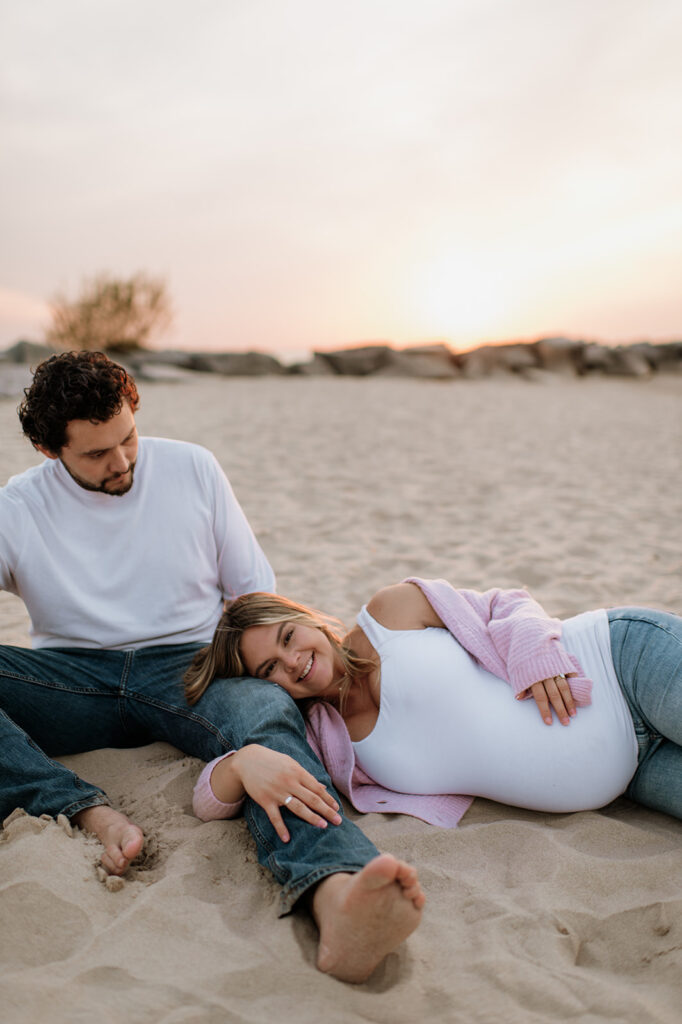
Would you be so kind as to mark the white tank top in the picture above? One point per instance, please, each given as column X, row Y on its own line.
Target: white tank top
column 447, row 725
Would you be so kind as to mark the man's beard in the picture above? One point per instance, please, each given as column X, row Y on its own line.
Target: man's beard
column 102, row 488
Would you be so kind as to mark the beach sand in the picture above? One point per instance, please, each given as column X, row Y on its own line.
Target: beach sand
column 568, row 487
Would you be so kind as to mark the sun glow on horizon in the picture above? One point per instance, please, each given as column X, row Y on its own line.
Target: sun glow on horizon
column 460, row 296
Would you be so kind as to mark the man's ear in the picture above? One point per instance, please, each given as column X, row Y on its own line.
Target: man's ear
column 44, row 451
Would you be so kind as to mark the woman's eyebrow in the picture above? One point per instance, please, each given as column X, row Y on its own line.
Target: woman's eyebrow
column 267, row 660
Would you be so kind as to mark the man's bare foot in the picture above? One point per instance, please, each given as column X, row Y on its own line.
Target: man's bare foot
column 364, row 917
column 122, row 841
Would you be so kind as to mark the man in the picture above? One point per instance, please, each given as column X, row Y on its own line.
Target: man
column 123, row 550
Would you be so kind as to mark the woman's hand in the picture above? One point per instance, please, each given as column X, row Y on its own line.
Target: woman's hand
column 275, row 780
column 554, row 693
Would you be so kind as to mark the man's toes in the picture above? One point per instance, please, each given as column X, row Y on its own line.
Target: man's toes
column 132, row 845
column 113, row 862
column 381, row 871
column 416, row 896
column 406, row 873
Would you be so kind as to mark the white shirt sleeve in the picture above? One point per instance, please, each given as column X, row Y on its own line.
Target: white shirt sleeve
column 242, row 565
column 11, row 540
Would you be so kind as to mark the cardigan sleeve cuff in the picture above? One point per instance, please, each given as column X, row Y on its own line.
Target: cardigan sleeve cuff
column 558, row 663
column 205, row 803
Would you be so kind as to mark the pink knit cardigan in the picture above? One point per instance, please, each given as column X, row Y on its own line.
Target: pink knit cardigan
column 507, row 632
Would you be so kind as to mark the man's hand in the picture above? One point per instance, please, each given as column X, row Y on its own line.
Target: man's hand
column 271, row 778
column 554, row 693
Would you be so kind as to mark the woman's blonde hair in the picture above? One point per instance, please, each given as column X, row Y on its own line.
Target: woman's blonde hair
column 223, row 659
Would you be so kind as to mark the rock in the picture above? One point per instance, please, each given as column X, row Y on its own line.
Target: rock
column 161, row 373
column 236, row 364
column 28, row 352
column 558, row 355
column 315, row 367
column 612, row 361
column 428, row 366
column 495, row 360
column 357, row 362
column 426, row 361
column 161, row 357
column 436, row 348
column 627, row 363
column 594, row 358
column 436, row 362
column 664, row 358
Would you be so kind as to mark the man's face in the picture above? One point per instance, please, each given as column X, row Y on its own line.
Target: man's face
column 101, row 456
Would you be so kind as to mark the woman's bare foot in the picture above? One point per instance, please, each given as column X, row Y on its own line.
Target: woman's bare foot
column 122, row 841
column 364, row 917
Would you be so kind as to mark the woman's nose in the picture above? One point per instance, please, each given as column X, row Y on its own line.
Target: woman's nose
column 290, row 660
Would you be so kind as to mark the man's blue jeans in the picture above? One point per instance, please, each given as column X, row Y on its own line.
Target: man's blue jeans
column 64, row 701
column 646, row 646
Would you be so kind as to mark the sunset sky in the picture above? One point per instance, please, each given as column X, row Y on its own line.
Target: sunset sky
column 308, row 174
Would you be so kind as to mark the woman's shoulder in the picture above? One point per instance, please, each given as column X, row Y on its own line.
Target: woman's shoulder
column 402, row 606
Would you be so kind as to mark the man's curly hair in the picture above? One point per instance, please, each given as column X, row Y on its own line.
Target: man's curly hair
column 73, row 386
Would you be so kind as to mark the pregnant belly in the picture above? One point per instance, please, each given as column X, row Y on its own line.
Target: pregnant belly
column 502, row 750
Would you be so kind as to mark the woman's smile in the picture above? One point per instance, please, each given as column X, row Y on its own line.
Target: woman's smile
column 297, row 657
column 308, row 669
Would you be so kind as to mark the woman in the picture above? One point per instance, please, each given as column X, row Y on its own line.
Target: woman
column 416, row 704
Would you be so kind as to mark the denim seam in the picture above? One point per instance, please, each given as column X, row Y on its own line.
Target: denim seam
column 651, row 735
column 96, row 797
column 265, row 842
column 649, row 620
column 97, row 800
column 125, row 675
column 646, row 736
column 189, row 715
column 125, row 672
column 54, row 686
column 290, row 894
column 51, row 761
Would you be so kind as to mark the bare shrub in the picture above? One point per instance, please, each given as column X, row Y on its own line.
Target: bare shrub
column 111, row 314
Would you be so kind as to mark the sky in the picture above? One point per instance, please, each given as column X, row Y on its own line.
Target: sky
column 307, row 174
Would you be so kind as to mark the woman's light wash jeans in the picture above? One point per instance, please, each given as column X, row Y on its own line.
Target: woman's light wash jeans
column 646, row 646
column 65, row 701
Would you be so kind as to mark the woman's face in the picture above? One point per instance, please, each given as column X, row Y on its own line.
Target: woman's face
column 297, row 657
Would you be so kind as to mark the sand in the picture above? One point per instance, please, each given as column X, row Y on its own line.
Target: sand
column 568, row 487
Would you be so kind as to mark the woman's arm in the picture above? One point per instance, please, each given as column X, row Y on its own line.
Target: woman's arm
column 206, row 803
column 268, row 777
column 403, row 606
column 506, row 630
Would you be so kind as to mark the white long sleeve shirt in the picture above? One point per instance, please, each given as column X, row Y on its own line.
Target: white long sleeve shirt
column 127, row 571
